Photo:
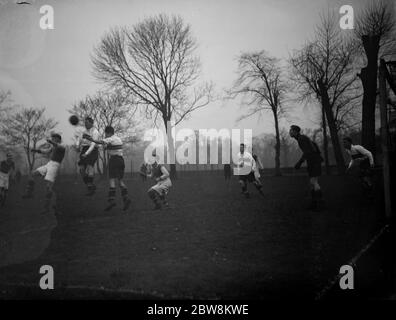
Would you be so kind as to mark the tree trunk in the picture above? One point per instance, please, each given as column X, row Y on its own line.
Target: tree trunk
column 285, row 152
column 368, row 76
column 171, row 147
column 29, row 155
column 28, row 160
column 277, row 146
column 325, row 143
column 333, row 129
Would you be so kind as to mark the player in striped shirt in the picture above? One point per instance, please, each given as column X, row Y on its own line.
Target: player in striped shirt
column 114, row 147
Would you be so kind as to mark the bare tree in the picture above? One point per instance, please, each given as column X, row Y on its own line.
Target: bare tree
column 154, row 62
column 375, row 28
column 109, row 108
column 4, row 98
column 324, row 70
column 4, row 111
column 260, row 80
column 27, row 128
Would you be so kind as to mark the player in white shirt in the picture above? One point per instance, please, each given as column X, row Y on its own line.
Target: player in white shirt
column 114, row 147
column 158, row 192
column 246, row 170
column 88, row 155
column 362, row 159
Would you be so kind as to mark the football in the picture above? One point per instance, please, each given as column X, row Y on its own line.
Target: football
column 73, row 120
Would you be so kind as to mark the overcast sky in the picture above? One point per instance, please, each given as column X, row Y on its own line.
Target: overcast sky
column 52, row 68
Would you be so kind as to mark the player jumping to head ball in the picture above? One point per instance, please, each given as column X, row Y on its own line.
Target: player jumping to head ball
column 56, row 151
column 311, row 154
column 158, row 192
column 246, row 170
column 7, row 167
column 114, row 146
column 88, row 155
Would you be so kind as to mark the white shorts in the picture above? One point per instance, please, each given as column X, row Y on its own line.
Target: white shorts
column 4, row 180
column 162, row 187
column 49, row 171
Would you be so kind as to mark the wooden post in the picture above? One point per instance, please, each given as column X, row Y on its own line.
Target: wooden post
column 384, row 137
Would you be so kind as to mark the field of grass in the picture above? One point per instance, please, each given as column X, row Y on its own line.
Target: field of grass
column 212, row 243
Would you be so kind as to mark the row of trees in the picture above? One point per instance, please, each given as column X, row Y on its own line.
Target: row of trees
column 152, row 68
column 22, row 129
column 155, row 63
column 325, row 70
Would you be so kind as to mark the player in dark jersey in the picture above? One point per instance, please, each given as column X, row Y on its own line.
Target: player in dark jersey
column 311, row 155
column 49, row 171
column 114, row 147
column 158, row 192
column 7, row 167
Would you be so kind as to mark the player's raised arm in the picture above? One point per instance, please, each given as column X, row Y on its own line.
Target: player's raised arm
column 53, row 143
column 94, row 141
column 43, row 149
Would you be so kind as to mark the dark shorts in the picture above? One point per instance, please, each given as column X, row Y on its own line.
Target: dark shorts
column 248, row 177
column 90, row 159
column 365, row 168
column 116, row 167
column 314, row 168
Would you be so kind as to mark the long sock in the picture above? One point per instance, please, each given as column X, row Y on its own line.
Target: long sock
column 163, row 199
column 90, row 183
column 112, row 195
column 258, row 186
column 124, row 193
column 48, row 197
column 30, row 187
column 153, row 196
